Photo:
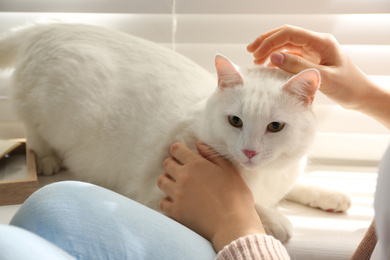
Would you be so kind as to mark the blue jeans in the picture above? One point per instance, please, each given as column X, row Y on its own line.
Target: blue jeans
column 85, row 221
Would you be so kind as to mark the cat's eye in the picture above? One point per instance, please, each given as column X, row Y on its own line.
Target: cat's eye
column 235, row 121
column 275, row 127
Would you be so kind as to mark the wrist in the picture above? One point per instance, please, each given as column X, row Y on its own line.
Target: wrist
column 376, row 104
column 233, row 230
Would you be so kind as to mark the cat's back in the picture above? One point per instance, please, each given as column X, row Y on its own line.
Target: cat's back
column 89, row 73
column 83, row 84
column 108, row 53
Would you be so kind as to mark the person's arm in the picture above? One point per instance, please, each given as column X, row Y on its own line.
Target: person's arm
column 256, row 247
column 294, row 49
column 377, row 105
column 208, row 196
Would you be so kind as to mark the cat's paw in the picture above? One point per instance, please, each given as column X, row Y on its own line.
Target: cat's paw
column 331, row 201
column 281, row 230
column 317, row 197
column 275, row 224
column 48, row 165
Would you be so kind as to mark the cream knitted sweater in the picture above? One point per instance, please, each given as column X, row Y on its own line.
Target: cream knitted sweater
column 254, row 247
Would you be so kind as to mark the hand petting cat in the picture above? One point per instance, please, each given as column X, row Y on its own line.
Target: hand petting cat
column 207, row 194
column 294, row 49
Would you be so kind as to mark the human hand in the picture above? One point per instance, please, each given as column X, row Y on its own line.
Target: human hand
column 208, row 195
column 294, row 49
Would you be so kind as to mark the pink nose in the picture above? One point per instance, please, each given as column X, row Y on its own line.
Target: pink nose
column 249, row 154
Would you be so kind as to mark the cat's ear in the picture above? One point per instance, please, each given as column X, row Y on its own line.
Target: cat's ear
column 228, row 73
column 305, row 85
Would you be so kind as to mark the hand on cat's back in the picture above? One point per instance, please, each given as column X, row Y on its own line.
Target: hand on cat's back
column 207, row 194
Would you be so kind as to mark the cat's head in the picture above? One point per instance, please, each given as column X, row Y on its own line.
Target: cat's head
column 262, row 117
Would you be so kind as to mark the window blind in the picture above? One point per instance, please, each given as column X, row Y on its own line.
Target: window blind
column 200, row 29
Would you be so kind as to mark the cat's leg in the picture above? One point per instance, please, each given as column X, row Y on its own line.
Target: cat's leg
column 48, row 162
column 316, row 197
column 274, row 223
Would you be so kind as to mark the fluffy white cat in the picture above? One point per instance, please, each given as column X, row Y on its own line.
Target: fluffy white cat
column 108, row 106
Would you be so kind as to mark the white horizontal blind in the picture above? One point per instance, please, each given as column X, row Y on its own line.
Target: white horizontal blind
column 207, row 27
column 199, row 6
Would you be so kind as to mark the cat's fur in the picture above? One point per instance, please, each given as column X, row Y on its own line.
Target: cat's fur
column 109, row 105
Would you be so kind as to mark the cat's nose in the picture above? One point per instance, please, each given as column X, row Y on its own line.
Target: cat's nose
column 249, row 153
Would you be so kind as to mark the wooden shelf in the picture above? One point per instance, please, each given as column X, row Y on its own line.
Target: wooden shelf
column 16, row 191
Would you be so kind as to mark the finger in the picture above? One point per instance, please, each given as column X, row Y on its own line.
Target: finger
column 291, row 63
column 256, row 43
column 285, row 48
column 166, row 184
column 181, row 152
column 172, row 167
column 313, row 58
column 270, row 65
column 210, row 154
column 166, row 206
column 295, row 53
column 289, row 35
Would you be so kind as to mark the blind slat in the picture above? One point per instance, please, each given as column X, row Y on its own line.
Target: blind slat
column 373, row 60
column 87, row 6
column 198, row 7
column 282, row 6
column 154, row 27
column 240, row 28
column 361, row 29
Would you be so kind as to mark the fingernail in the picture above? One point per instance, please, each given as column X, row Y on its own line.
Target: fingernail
column 257, row 61
column 277, row 58
column 201, row 143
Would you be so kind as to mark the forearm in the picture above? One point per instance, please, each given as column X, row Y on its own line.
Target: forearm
column 235, row 230
column 377, row 104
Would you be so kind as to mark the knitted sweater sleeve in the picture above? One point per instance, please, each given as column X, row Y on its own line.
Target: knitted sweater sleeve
column 254, row 247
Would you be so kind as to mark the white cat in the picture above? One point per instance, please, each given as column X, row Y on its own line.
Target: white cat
column 109, row 105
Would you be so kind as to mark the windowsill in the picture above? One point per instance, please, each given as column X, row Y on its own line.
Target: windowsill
column 328, row 235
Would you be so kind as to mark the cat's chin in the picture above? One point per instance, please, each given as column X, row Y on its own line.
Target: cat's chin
column 249, row 165
column 255, row 165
